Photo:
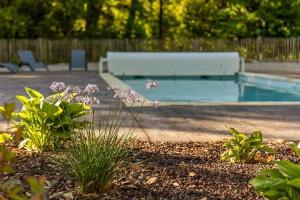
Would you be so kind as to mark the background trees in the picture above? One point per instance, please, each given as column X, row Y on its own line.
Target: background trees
column 148, row 18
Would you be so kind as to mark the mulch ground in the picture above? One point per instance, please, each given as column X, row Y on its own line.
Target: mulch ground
column 159, row 171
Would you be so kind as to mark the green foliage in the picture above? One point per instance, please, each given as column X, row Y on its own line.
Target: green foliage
column 283, row 182
column 16, row 191
column 94, row 156
column 243, row 148
column 10, row 188
column 7, row 111
column 6, row 156
column 139, row 18
column 47, row 124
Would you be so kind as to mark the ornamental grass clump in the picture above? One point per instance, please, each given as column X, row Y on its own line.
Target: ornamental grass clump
column 97, row 154
column 94, row 156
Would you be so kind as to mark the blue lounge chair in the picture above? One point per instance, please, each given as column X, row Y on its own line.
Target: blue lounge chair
column 78, row 59
column 10, row 66
column 28, row 59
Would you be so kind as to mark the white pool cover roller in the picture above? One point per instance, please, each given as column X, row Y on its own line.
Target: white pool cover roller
column 173, row 63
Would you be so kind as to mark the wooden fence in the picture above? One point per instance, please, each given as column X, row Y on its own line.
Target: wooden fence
column 54, row 51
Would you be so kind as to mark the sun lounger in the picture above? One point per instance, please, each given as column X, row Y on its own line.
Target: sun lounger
column 10, row 66
column 28, row 59
column 78, row 59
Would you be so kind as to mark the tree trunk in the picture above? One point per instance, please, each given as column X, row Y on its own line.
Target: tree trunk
column 160, row 21
column 130, row 20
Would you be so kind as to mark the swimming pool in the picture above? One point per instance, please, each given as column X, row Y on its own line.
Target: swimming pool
column 244, row 87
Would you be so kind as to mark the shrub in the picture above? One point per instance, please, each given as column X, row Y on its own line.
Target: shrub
column 243, row 148
column 48, row 122
column 283, row 182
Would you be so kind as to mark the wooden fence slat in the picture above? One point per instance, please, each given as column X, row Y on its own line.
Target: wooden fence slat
column 53, row 51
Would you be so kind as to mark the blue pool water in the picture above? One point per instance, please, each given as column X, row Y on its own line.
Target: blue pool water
column 214, row 89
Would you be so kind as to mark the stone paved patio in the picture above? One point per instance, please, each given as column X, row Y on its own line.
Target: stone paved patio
column 173, row 123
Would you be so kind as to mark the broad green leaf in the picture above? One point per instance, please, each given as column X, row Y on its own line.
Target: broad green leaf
column 4, row 137
column 274, row 194
column 295, row 183
column 266, row 182
column 33, row 93
column 295, row 149
column 289, row 169
column 266, row 149
column 7, row 110
column 274, row 173
column 22, row 99
column 50, row 109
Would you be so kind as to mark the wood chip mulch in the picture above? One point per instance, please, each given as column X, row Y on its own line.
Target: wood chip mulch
column 159, row 171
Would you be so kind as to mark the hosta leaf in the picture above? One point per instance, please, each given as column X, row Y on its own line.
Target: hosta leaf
column 266, row 182
column 293, row 193
column 295, row 149
column 295, row 183
column 7, row 110
column 289, row 169
column 266, row 149
column 273, row 173
column 273, row 194
column 22, row 99
column 51, row 110
column 33, row 93
column 4, row 137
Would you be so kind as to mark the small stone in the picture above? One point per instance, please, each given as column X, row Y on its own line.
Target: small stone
column 191, row 174
column 280, row 141
column 176, row 184
column 140, row 177
column 152, row 180
column 68, row 195
column 55, row 195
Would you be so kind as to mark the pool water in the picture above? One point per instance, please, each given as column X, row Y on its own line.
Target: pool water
column 211, row 89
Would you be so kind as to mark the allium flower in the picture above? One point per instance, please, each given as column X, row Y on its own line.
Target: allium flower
column 151, row 84
column 155, row 104
column 128, row 95
column 91, row 88
column 96, row 100
column 72, row 90
column 86, row 100
column 57, row 86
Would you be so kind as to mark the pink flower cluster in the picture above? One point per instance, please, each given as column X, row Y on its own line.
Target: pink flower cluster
column 151, row 84
column 75, row 94
column 131, row 96
column 128, row 95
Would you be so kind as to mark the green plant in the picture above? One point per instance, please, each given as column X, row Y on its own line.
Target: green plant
column 47, row 122
column 9, row 188
column 96, row 154
column 282, row 183
column 243, row 148
column 6, row 156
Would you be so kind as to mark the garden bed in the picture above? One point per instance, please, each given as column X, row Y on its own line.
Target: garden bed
column 159, row 170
